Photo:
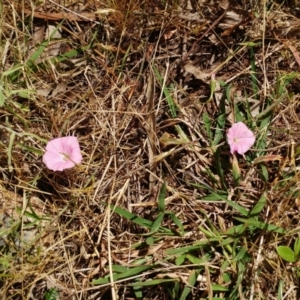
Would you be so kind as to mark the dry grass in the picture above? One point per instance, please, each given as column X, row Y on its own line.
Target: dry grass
column 154, row 211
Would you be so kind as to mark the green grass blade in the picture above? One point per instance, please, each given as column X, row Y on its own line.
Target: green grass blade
column 258, row 207
column 161, row 198
column 153, row 282
column 130, row 272
column 191, row 281
column 261, row 225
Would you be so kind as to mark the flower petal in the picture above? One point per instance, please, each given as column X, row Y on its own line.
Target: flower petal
column 240, row 138
column 62, row 153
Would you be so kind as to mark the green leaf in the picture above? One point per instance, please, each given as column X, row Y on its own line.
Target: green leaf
column 241, row 254
column 119, row 269
column 207, row 124
column 127, row 274
column 191, row 281
column 37, row 53
column 258, row 206
column 236, row 230
column 51, row 294
column 238, row 207
column 138, row 292
column 153, row 282
column 27, row 94
column 2, row 97
column 286, row 253
column 226, row 277
column 150, row 241
column 280, row 290
column 12, row 70
column 218, row 288
column 264, row 173
column 178, row 223
column 173, row 290
column 198, row 261
column 180, row 260
column 131, row 217
column 236, row 172
column 219, row 167
column 261, row 225
column 162, row 197
column 220, row 126
column 227, row 241
column 156, row 224
column 186, row 249
column 215, row 197
column 171, row 103
column 141, row 221
column 297, row 247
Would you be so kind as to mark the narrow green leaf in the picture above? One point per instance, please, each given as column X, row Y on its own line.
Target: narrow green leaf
column 240, row 278
column 215, row 197
column 156, row 224
column 236, row 171
column 220, row 126
column 241, row 254
column 180, row 260
column 264, row 173
column 178, row 223
column 213, row 84
column 261, row 225
column 119, row 269
column 172, row 105
column 174, row 290
column 236, row 230
column 227, row 241
column 218, row 288
column 131, row 217
column 30, row 149
column 297, row 247
column 191, row 281
column 226, row 278
column 127, row 274
column 2, row 97
column 207, row 124
column 162, row 197
column 280, row 290
column 258, row 207
column 198, row 261
column 152, row 282
column 138, row 292
column 150, row 241
column 184, row 249
column 208, row 188
column 12, row 70
column 34, row 57
column 219, row 167
column 238, row 207
column 136, row 270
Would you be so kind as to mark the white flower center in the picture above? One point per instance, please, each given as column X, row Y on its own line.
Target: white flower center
column 65, row 156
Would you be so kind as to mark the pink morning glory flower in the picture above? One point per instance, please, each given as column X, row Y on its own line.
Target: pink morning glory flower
column 62, row 153
column 240, row 138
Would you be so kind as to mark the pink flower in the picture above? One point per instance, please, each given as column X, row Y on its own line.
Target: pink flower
column 240, row 138
column 62, row 153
